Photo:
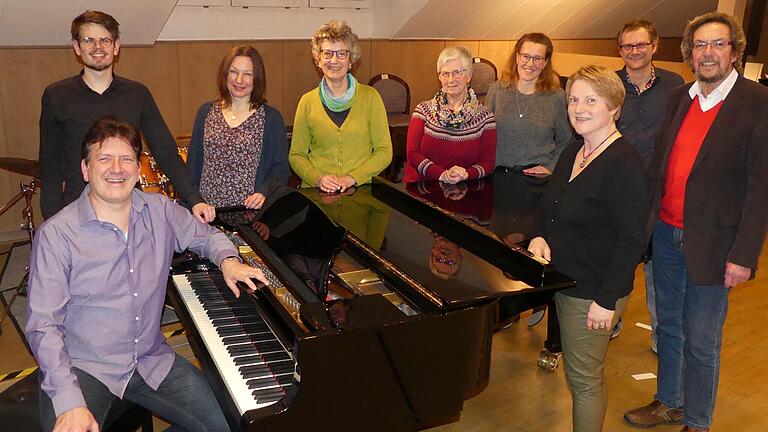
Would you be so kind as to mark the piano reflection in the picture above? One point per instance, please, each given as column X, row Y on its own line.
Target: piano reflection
column 355, row 332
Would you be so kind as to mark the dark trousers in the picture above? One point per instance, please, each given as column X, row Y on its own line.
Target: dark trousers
column 184, row 398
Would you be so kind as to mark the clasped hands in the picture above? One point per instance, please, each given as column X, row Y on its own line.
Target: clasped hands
column 329, row 183
column 454, row 175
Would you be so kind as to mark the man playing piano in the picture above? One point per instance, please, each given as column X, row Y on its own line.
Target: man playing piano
column 98, row 274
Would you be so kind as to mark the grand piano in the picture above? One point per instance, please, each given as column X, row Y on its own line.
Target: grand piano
column 379, row 314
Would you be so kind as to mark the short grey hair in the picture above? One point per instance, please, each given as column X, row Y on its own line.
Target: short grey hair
column 455, row 53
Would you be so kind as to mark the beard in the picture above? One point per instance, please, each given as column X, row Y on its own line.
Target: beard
column 718, row 76
column 98, row 67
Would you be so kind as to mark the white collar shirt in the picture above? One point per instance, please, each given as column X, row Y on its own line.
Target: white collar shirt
column 717, row 95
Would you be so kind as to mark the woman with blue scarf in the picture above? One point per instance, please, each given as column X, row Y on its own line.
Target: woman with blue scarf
column 340, row 132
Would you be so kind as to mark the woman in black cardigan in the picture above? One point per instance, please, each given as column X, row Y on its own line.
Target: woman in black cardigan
column 592, row 228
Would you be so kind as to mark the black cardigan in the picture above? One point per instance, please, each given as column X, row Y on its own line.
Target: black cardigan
column 595, row 224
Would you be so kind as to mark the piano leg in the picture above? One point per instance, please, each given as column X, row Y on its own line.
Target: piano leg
column 549, row 357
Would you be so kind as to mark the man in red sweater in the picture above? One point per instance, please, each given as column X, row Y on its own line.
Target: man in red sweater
column 709, row 173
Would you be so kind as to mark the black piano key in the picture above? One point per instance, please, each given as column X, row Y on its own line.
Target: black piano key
column 268, row 399
column 254, row 374
column 282, row 367
column 253, row 337
column 238, row 320
column 258, row 383
column 268, row 393
column 268, row 346
column 283, row 380
column 276, row 356
column 249, row 360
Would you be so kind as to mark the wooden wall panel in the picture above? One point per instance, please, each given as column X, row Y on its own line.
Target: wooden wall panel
column 300, row 74
column 497, row 52
column 472, row 46
column 412, row 61
column 272, row 55
column 156, row 67
column 196, row 78
column 362, row 69
column 24, row 75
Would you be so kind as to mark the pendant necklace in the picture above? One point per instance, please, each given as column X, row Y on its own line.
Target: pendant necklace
column 585, row 156
column 517, row 100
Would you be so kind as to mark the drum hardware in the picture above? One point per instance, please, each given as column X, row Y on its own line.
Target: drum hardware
column 548, row 360
column 29, row 168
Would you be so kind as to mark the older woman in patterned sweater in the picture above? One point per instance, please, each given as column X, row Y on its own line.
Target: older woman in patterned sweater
column 451, row 137
column 239, row 146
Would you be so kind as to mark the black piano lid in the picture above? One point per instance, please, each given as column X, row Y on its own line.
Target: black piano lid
column 457, row 276
column 491, row 209
column 297, row 232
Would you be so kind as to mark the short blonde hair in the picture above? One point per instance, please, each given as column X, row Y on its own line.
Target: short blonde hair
column 336, row 31
column 455, row 53
column 604, row 81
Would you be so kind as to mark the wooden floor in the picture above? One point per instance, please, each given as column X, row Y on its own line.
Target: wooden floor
column 521, row 397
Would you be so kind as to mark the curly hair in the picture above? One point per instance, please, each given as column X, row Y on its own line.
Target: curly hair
column 548, row 80
column 738, row 39
column 336, row 31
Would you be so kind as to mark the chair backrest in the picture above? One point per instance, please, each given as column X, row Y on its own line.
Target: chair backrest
column 394, row 91
column 483, row 75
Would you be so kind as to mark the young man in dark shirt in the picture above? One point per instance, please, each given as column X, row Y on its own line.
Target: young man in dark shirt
column 70, row 107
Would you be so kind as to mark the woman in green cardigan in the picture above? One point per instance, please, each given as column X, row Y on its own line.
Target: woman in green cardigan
column 340, row 132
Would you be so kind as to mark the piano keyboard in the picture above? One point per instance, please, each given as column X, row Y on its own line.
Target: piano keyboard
column 252, row 362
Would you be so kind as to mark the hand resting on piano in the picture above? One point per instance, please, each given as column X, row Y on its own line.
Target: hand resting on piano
column 236, row 273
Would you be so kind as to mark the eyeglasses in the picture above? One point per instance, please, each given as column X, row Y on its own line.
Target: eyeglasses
column 104, row 41
column 640, row 46
column 451, row 74
column 525, row 58
column 717, row 45
column 444, row 260
column 340, row 54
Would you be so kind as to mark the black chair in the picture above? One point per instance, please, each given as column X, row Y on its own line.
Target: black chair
column 483, row 75
column 396, row 95
column 19, row 410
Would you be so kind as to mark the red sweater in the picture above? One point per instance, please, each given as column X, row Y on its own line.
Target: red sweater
column 433, row 148
column 689, row 138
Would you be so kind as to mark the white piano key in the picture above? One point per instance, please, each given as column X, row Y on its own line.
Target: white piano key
column 222, row 359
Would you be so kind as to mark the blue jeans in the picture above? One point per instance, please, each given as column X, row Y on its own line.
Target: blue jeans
column 690, row 331
column 184, row 399
column 650, row 301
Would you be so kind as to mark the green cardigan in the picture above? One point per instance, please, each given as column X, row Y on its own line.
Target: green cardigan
column 360, row 148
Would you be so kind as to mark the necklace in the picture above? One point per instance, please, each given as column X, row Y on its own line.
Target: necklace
column 517, row 100
column 585, row 156
column 234, row 114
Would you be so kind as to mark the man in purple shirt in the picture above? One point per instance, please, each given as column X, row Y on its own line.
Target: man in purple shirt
column 97, row 284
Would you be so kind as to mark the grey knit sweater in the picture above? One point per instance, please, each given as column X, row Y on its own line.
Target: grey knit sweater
column 536, row 138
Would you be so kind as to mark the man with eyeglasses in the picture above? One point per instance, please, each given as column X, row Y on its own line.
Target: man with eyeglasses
column 70, row 107
column 709, row 177
column 647, row 92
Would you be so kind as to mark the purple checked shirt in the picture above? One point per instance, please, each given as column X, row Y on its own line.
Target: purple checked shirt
column 95, row 297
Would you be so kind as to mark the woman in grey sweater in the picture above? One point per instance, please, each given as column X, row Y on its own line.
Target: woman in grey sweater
column 531, row 117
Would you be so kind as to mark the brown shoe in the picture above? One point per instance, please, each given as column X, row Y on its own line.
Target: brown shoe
column 655, row 413
column 692, row 429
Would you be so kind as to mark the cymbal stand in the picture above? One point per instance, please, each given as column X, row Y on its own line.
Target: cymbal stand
column 27, row 192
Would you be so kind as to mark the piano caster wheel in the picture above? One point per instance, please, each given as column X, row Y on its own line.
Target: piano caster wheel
column 548, row 361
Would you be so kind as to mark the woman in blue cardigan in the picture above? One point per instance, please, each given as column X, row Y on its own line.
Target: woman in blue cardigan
column 238, row 148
